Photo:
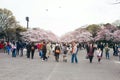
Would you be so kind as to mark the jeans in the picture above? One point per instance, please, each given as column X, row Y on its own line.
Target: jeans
column 115, row 53
column 14, row 53
column 41, row 54
column 107, row 55
column 44, row 56
column 74, row 57
column 32, row 54
column 90, row 58
column 28, row 53
column 17, row 51
column 8, row 50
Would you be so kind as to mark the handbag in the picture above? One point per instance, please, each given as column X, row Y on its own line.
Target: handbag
column 57, row 51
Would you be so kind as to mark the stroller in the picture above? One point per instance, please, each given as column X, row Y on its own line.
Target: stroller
column 65, row 58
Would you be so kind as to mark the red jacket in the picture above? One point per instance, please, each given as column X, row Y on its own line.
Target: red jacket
column 1, row 46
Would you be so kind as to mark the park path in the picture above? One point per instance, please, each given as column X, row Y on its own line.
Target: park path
column 21, row 68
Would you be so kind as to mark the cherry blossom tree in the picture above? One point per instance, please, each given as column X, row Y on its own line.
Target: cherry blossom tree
column 67, row 37
column 38, row 35
column 79, row 35
column 116, row 36
column 110, row 27
column 104, row 34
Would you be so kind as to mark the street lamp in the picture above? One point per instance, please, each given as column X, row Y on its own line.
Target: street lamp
column 27, row 19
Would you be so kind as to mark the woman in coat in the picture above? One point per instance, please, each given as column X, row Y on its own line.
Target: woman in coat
column 57, row 52
column 32, row 50
column 90, row 50
column 44, row 50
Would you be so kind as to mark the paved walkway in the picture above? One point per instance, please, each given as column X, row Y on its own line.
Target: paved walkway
column 21, row 68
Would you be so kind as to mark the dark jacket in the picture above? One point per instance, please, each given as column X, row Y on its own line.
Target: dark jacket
column 57, row 48
column 33, row 47
column 101, row 46
column 28, row 47
column 90, row 53
column 115, row 48
column 44, row 49
column 18, row 45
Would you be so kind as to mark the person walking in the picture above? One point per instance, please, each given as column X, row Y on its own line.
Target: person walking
column 41, row 52
column 74, row 53
column 32, row 50
column 99, row 53
column 21, row 48
column 39, row 48
column 13, row 50
column 28, row 47
column 87, row 46
column 8, row 47
column 115, row 49
column 44, row 50
column 90, row 50
column 57, row 52
column 65, row 51
column 17, row 47
column 119, row 52
column 48, row 46
column 101, row 46
column 107, row 52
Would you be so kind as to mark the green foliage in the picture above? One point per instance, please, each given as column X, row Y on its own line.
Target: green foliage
column 9, row 27
column 6, row 19
column 20, row 28
column 93, row 29
column 6, row 22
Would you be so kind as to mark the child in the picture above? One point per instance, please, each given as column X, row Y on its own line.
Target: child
column 13, row 50
column 99, row 54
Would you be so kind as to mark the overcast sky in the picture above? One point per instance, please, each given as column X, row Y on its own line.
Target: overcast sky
column 61, row 16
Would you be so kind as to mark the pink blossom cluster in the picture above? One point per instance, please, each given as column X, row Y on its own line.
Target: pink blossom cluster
column 80, row 35
column 38, row 35
column 107, row 33
column 116, row 36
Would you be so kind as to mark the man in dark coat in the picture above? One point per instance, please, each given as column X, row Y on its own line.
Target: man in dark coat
column 44, row 50
column 115, row 49
column 18, row 47
column 28, row 47
column 33, row 47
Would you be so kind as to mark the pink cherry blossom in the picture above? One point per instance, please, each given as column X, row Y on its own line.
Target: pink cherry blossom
column 39, row 35
column 78, row 35
column 116, row 36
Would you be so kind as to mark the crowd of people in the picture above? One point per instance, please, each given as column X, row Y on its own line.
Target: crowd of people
column 45, row 49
